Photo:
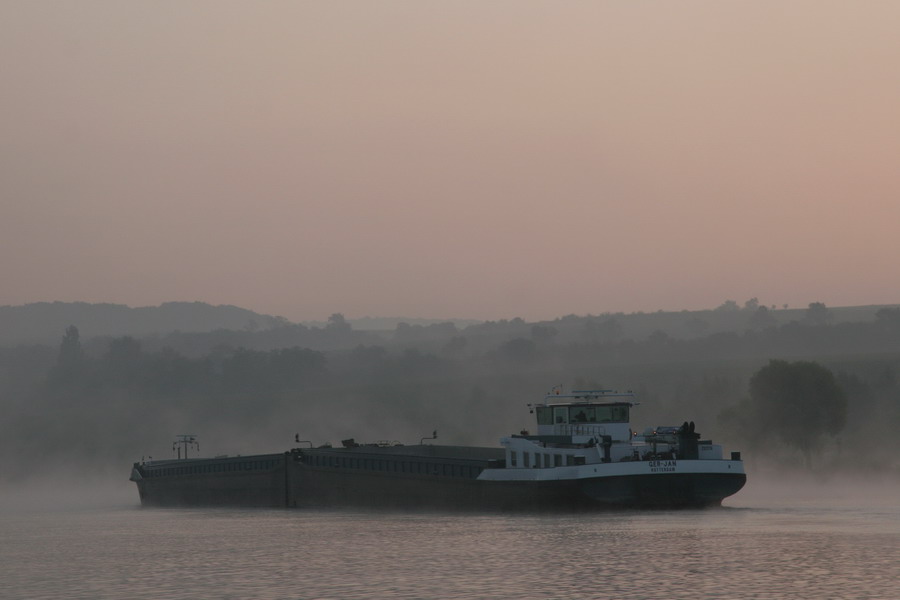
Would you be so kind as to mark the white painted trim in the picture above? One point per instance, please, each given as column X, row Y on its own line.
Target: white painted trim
column 620, row 469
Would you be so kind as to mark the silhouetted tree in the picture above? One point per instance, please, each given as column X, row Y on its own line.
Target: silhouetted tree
column 123, row 349
column 696, row 326
column 366, row 361
column 123, row 359
column 817, row 314
column 70, row 351
column 728, row 306
column 442, row 330
column 762, row 319
column 543, row 333
column 658, row 337
column 609, row 330
column 799, row 403
column 456, row 346
column 70, row 359
column 338, row 323
column 518, row 350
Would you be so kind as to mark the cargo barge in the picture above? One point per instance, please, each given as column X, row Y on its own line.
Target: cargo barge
column 584, row 455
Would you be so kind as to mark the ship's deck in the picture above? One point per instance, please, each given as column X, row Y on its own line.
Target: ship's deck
column 423, row 451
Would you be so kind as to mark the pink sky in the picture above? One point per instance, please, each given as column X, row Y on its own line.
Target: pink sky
column 450, row 159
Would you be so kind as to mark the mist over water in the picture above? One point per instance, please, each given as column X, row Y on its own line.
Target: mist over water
column 774, row 539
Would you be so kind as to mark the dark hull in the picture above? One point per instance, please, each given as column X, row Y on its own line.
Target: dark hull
column 376, row 479
column 665, row 490
column 320, row 488
column 236, row 481
column 247, row 490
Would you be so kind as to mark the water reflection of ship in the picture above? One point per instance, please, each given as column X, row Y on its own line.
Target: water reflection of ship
column 584, row 454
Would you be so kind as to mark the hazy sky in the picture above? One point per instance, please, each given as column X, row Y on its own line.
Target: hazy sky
column 450, row 159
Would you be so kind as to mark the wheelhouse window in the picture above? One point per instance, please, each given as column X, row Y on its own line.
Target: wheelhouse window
column 544, row 415
column 560, row 414
column 617, row 413
column 582, row 414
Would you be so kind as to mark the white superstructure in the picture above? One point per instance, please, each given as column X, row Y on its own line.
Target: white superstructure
column 587, row 434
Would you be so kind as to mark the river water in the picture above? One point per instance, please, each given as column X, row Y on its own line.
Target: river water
column 825, row 542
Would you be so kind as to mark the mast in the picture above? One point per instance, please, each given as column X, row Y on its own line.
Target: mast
column 186, row 440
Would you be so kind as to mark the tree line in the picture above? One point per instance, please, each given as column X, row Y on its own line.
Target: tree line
column 109, row 401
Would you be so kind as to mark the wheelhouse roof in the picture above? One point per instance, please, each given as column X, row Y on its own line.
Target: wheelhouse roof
column 589, row 397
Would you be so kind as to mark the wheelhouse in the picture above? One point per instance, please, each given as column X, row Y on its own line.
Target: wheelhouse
column 585, row 413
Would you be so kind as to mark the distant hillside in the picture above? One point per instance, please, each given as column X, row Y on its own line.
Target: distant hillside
column 195, row 328
column 390, row 323
column 728, row 318
column 45, row 322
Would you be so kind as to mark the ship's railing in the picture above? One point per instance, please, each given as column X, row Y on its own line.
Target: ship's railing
column 579, row 429
column 585, row 395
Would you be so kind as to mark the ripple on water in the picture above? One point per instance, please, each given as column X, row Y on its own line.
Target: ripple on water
column 807, row 552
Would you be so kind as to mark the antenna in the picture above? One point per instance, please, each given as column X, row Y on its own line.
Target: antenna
column 185, row 440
